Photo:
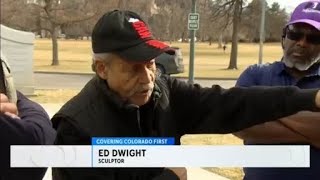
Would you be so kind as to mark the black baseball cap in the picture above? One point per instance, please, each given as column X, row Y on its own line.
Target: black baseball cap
column 127, row 35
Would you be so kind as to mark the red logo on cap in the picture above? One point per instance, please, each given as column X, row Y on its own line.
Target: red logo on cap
column 141, row 29
column 156, row 44
column 143, row 32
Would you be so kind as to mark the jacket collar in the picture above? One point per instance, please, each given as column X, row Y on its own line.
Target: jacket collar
column 314, row 69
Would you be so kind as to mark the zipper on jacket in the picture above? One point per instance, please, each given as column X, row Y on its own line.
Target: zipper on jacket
column 135, row 109
column 139, row 121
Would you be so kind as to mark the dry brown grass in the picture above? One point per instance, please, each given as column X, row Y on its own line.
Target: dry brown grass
column 58, row 96
column 75, row 56
column 216, row 139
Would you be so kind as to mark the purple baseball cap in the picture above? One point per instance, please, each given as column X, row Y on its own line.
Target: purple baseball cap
column 307, row 12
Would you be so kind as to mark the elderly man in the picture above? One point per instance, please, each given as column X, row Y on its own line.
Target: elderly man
column 299, row 67
column 126, row 99
column 22, row 122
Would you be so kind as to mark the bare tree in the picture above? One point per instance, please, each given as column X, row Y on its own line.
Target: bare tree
column 167, row 19
column 56, row 13
column 11, row 15
column 224, row 8
column 250, row 21
column 276, row 19
column 222, row 20
column 205, row 28
column 234, row 47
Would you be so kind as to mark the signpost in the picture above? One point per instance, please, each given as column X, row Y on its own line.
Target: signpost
column 193, row 25
column 193, row 21
column 262, row 24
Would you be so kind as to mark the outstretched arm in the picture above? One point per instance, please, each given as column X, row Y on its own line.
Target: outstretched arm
column 270, row 133
column 217, row 110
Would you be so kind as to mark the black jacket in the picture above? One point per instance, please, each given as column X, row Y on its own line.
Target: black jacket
column 34, row 128
column 176, row 108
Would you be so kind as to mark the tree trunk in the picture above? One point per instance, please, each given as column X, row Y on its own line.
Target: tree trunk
column 234, row 47
column 38, row 25
column 183, row 38
column 220, row 42
column 54, row 36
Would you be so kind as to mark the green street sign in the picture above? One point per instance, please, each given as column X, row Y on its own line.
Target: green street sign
column 193, row 21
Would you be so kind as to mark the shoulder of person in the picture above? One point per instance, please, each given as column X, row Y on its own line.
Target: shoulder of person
column 264, row 66
column 23, row 100
column 72, row 107
column 254, row 74
column 81, row 101
column 260, row 69
column 29, row 108
column 169, row 80
column 169, row 83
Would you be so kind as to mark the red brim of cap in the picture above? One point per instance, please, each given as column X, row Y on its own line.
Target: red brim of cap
column 145, row 51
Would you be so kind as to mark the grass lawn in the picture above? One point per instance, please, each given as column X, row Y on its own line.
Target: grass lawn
column 75, row 56
column 216, row 139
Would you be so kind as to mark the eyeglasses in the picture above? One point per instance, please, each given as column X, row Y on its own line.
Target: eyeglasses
column 297, row 35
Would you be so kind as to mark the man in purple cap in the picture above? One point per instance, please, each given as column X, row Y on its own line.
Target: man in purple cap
column 299, row 67
column 127, row 99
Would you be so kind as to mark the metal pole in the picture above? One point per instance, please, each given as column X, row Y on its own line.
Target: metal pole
column 262, row 24
column 191, row 62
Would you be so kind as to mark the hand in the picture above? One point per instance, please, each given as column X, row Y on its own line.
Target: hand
column 8, row 108
column 180, row 172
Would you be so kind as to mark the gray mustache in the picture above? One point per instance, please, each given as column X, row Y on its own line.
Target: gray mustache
column 142, row 88
column 145, row 88
column 300, row 51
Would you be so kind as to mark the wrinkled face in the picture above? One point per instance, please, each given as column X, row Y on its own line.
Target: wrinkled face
column 301, row 46
column 131, row 81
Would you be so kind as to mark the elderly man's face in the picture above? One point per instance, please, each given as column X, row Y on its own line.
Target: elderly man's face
column 301, row 46
column 131, row 81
